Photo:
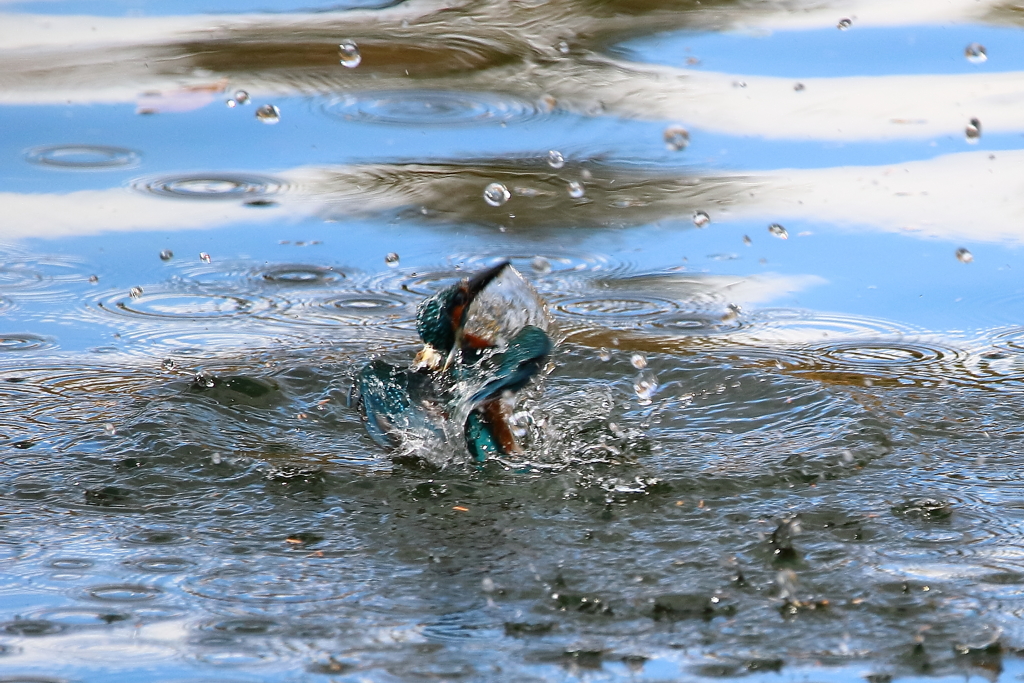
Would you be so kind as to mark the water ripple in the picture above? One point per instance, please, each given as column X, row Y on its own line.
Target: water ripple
column 83, row 157
column 430, row 108
column 211, row 186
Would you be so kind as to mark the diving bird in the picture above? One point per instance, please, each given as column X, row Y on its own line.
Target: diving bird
column 457, row 373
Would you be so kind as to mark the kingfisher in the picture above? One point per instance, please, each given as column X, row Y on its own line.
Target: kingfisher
column 460, row 374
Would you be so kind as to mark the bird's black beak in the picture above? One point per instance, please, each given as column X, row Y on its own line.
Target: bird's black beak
column 476, row 284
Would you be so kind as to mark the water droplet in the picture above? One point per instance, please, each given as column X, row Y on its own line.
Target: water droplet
column 231, row 104
column 268, row 113
column 135, row 292
column 964, row 256
column 778, row 231
column 844, row 24
column 604, row 354
column 555, row 159
column 168, row 364
column 701, row 218
column 391, row 259
column 638, row 360
column 645, row 384
column 166, row 255
column 496, row 194
column 973, row 130
column 93, row 279
column 541, row 265
column 747, row 241
column 348, row 54
column 563, row 47
column 204, row 380
column 204, row 257
column 109, row 429
column 677, row 138
column 975, row 53
column 576, row 189
column 242, row 97
column 799, row 87
column 487, row 584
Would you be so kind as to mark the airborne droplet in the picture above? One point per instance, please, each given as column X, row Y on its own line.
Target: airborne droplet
column 541, row 265
column 778, row 231
column 975, row 53
column 109, row 429
column 645, row 384
column 701, row 218
column 242, row 97
column 844, row 24
column 555, row 159
column 973, row 130
column 204, row 257
column 575, row 189
column 348, row 54
column 677, row 138
column 604, row 354
column 638, row 361
column 747, row 241
column 168, row 364
column 166, row 255
column 964, row 256
column 135, row 292
column 269, row 114
column 496, row 194
column 93, row 279
column 391, row 259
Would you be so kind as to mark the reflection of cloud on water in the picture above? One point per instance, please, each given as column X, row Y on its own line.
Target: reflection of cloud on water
column 506, row 48
column 973, row 196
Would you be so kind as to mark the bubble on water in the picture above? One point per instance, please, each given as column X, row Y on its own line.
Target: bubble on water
column 975, row 53
column 778, row 231
column 348, row 54
column 541, row 265
column 555, row 159
column 604, row 354
column 964, row 256
column 168, row 364
column 487, row 584
column 268, row 113
column 135, row 292
column 204, row 257
column 701, row 218
column 166, row 255
column 638, row 360
column 496, row 194
column 747, row 241
column 93, row 279
column 575, row 189
column 844, row 24
column 110, row 429
column 242, row 97
column 645, row 384
column 391, row 259
column 677, row 138
column 973, row 130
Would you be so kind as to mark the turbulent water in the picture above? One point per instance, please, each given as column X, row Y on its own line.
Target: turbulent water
column 780, row 437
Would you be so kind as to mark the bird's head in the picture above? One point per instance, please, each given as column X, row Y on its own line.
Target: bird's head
column 441, row 318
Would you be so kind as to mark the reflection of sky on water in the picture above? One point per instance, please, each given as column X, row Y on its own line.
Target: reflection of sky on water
column 828, row 52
